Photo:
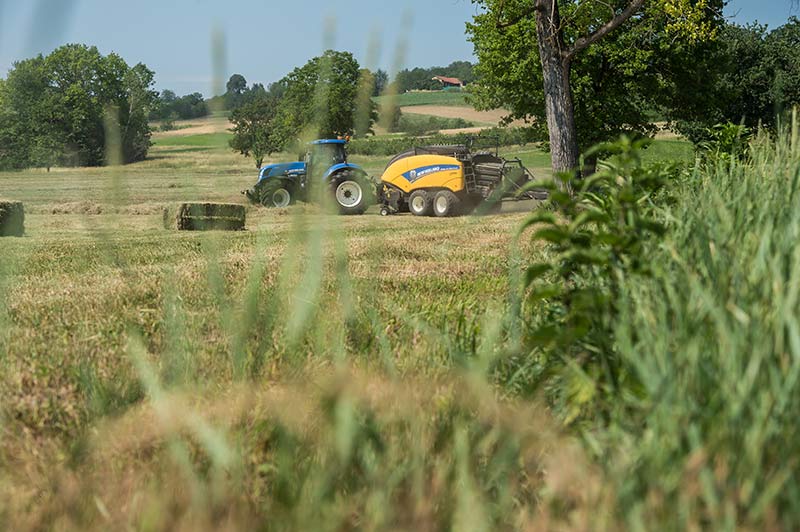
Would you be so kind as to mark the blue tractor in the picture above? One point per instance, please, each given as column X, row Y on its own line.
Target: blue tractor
column 323, row 170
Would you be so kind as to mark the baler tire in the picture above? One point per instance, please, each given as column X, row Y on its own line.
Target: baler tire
column 420, row 203
column 274, row 194
column 445, row 204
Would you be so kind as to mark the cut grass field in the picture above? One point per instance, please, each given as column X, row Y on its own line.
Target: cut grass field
column 98, row 291
column 217, row 122
column 316, row 371
column 443, row 104
column 481, row 118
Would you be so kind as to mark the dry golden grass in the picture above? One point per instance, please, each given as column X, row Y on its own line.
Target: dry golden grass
column 129, row 476
column 467, row 113
column 199, row 126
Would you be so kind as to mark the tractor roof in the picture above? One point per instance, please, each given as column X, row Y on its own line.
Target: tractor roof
column 329, row 141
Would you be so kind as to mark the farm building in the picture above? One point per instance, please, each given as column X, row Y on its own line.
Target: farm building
column 448, row 82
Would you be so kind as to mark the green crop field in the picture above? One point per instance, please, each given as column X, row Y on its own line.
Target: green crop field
column 447, row 98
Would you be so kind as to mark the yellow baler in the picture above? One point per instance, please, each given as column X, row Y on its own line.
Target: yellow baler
column 449, row 180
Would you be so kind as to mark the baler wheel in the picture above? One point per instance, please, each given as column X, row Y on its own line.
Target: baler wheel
column 445, row 204
column 420, row 203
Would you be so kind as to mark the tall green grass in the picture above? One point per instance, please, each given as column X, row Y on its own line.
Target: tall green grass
column 684, row 387
column 714, row 345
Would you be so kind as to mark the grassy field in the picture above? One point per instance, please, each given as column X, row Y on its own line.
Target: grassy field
column 319, row 372
column 102, row 307
column 442, row 98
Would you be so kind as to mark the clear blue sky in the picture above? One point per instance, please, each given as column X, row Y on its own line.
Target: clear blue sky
column 264, row 39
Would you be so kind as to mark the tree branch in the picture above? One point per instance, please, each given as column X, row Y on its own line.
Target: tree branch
column 584, row 42
column 533, row 8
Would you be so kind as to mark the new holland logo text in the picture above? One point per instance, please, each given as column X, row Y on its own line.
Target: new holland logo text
column 418, row 173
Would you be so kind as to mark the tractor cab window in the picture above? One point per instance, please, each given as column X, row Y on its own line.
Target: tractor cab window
column 327, row 155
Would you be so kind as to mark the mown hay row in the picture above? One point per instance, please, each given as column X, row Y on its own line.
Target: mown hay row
column 12, row 218
column 205, row 217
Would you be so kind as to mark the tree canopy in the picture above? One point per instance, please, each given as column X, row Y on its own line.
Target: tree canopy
column 56, row 110
column 329, row 96
column 238, row 93
column 320, row 98
column 253, row 125
column 608, row 65
column 752, row 77
column 381, row 82
column 171, row 107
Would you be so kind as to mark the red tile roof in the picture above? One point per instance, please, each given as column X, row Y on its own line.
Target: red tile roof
column 450, row 81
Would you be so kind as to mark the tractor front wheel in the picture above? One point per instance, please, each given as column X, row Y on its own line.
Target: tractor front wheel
column 276, row 194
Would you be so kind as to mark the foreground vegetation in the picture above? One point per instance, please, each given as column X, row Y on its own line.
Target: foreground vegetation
column 328, row 373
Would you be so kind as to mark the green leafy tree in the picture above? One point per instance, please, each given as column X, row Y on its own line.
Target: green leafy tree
column 755, row 78
column 47, row 150
column 134, row 106
column 167, row 98
column 191, row 106
column 320, row 99
column 463, row 70
column 256, row 91
column 252, row 127
column 54, row 108
column 171, row 107
column 381, row 82
column 235, row 89
column 784, row 49
column 24, row 112
column 163, row 108
column 582, row 70
column 417, row 79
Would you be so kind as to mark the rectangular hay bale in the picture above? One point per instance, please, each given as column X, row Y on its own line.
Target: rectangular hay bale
column 212, row 210
column 205, row 217
column 12, row 218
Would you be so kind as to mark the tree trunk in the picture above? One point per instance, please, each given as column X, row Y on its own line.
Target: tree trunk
column 559, row 106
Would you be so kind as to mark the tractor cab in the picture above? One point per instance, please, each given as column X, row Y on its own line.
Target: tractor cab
column 324, row 155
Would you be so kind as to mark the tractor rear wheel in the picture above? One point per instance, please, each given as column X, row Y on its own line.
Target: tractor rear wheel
column 353, row 194
column 420, row 203
column 276, row 194
column 445, row 204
